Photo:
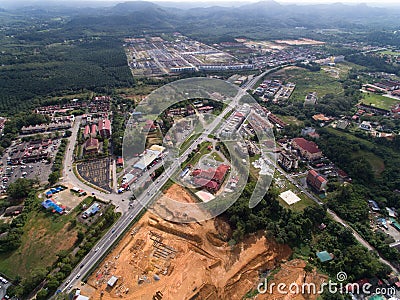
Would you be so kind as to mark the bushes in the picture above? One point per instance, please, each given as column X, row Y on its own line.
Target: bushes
column 19, row 189
column 57, row 164
column 14, row 230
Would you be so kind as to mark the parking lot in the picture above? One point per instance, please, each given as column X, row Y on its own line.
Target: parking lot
column 4, row 284
column 96, row 172
column 39, row 169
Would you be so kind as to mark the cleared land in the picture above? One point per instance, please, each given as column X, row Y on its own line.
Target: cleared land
column 293, row 272
column 307, row 81
column 291, row 120
column 43, row 238
column 158, row 256
column 283, row 184
column 45, row 235
column 379, row 101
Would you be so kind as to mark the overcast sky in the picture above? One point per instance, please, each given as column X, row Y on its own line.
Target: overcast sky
column 280, row 1
column 375, row 3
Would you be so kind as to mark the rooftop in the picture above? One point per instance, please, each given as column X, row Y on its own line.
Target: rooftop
column 306, row 145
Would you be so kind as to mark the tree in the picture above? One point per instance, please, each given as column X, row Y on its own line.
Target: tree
column 54, row 177
column 20, row 188
column 42, row 294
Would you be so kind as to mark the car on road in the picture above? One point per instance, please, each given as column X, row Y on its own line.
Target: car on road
column 79, row 275
column 97, row 249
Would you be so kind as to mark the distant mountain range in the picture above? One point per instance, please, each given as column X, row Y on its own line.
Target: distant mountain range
column 142, row 16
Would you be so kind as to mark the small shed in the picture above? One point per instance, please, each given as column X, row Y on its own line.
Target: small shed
column 111, row 282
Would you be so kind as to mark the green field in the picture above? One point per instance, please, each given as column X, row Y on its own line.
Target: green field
column 44, row 236
column 195, row 159
column 298, row 206
column 379, row 101
column 307, row 81
column 216, row 156
column 291, row 120
column 350, row 136
column 388, row 52
column 377, row 163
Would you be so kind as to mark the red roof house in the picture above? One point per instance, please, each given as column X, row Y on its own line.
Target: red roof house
column 105, row 128
column 308, row 149
column 91, row 145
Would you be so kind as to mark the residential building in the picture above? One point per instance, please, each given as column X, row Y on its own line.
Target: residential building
column 311, row 99
column 91, row 145
column 104, row 128
column 316, row 181
column 308, row 150
column 86, row 132
column 275, row 120
column 288, row 161
column 365, row 125
column 93, row 130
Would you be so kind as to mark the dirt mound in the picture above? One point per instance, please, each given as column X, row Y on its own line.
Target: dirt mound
column 214, row 239
column 292, row 272
column 207, row 291
column 184, row 261
column 223, row 229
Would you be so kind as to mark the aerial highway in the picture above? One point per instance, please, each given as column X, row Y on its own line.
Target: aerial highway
column 128, row 214
column 130, row 210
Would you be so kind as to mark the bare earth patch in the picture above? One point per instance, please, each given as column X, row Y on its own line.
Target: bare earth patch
column 183, row 261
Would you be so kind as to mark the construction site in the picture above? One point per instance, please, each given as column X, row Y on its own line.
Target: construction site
column 157, row 259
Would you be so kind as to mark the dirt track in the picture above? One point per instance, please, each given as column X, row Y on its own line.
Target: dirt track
column 183, row 261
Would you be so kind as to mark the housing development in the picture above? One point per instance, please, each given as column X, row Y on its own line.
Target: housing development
column 168, row 152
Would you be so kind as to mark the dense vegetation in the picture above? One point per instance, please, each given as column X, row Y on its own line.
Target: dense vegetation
column 379, row 187
column 72, row 67
column 299, row 229
column 373, row 63
column 13, row 231
column 58, row 163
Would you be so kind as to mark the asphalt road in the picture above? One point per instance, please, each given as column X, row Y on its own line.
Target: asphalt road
column 153, row 190
column 117, row 230
column 335, row 217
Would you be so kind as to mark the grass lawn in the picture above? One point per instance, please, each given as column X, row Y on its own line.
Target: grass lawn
column 44, row 236
column 349, row 136
column 307, row 81
column 291, row 120
column 286, row 185
column 388, row 52
column 216, row 156
column 377, row 163
column 186, row 144
column 379, row 101
column 195, row 159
